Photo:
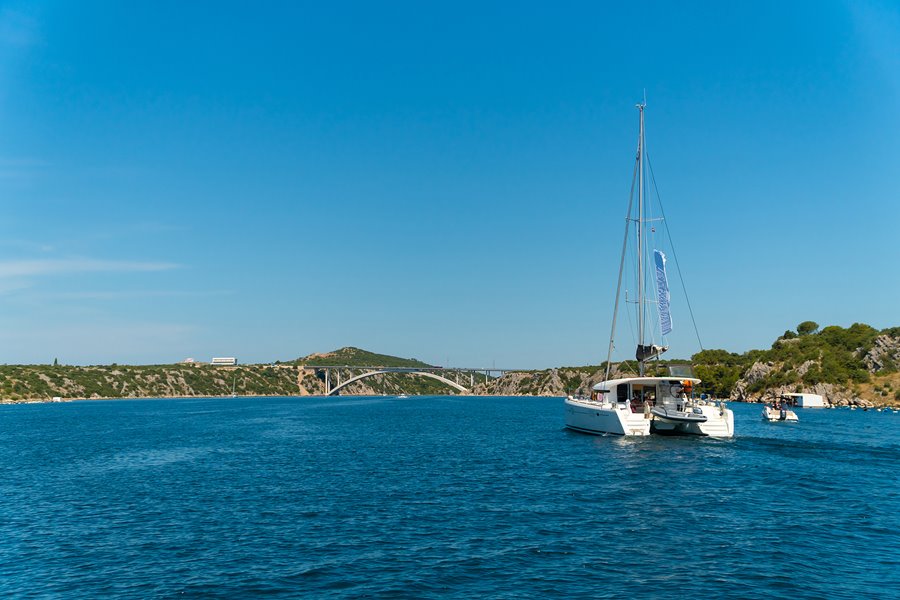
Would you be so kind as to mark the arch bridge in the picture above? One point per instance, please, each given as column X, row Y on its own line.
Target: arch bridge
column 438, row 373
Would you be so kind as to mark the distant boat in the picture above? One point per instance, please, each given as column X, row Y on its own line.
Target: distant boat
column 805, row 400
column 782, row 413
column 643, row 405
column 780, row 409
column 402, row 396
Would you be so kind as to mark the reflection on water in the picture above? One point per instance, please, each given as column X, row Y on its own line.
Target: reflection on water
column 141, row 459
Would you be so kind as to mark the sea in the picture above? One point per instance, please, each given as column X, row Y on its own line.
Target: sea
column 438, row 497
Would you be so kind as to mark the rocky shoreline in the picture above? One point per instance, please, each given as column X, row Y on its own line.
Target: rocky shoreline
column 811, row 363
column 831, row 393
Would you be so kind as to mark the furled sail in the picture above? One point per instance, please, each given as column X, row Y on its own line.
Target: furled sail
column 662, row 289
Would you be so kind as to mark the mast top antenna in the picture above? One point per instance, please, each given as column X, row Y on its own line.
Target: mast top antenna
column 642, row 105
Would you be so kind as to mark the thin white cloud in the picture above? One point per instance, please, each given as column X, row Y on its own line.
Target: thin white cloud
column 127, row 294
column 26, row 246
column 68, row 266
column 8, row 286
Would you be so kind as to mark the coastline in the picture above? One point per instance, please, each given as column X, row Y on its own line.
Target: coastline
column 369, row 395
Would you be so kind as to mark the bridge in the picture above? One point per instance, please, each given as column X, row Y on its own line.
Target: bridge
column 441, row 374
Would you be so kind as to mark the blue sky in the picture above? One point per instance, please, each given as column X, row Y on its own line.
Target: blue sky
column 440, row 181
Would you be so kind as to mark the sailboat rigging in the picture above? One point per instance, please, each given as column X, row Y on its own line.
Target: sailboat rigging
column 646, row 404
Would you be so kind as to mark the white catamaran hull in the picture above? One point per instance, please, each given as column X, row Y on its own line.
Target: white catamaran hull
column 718, row 423
column 592, row 417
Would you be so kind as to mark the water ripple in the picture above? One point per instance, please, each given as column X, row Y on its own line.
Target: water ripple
column 437, row 497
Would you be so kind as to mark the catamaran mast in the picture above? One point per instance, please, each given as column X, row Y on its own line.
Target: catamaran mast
column 638, row 169
column 640, row 239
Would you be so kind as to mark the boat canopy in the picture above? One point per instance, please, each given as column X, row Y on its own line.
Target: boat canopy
column 605, row 386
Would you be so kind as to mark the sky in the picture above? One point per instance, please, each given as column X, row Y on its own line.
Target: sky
column 444, row 181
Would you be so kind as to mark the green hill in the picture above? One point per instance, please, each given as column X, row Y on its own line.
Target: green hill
column 42, row 382
column 389, row 383
column 22, row 383
column 857, row 362
column 355, row 357
column 853, row 365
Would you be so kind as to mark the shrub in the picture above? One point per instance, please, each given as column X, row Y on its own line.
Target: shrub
column 807, row 327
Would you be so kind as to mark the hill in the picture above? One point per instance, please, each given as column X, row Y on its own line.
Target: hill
column 312, row 380
column 21, row 383
column 24, row 383
column 355, row 357
column 854, row 365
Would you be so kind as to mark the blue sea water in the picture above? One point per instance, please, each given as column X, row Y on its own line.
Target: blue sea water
column 427, row 497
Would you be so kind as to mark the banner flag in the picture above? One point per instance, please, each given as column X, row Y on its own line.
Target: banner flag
column 662, row 288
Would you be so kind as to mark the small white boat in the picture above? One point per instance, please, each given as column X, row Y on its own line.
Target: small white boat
column 783, row 413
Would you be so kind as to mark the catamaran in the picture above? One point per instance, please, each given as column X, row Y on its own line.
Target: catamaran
column 645, row 404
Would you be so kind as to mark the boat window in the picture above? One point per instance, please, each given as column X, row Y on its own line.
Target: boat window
column 670, row 390
column 622, row 392
column 641, row 393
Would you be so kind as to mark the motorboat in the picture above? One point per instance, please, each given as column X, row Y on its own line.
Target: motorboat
column 779, row 412
column 644, row 404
